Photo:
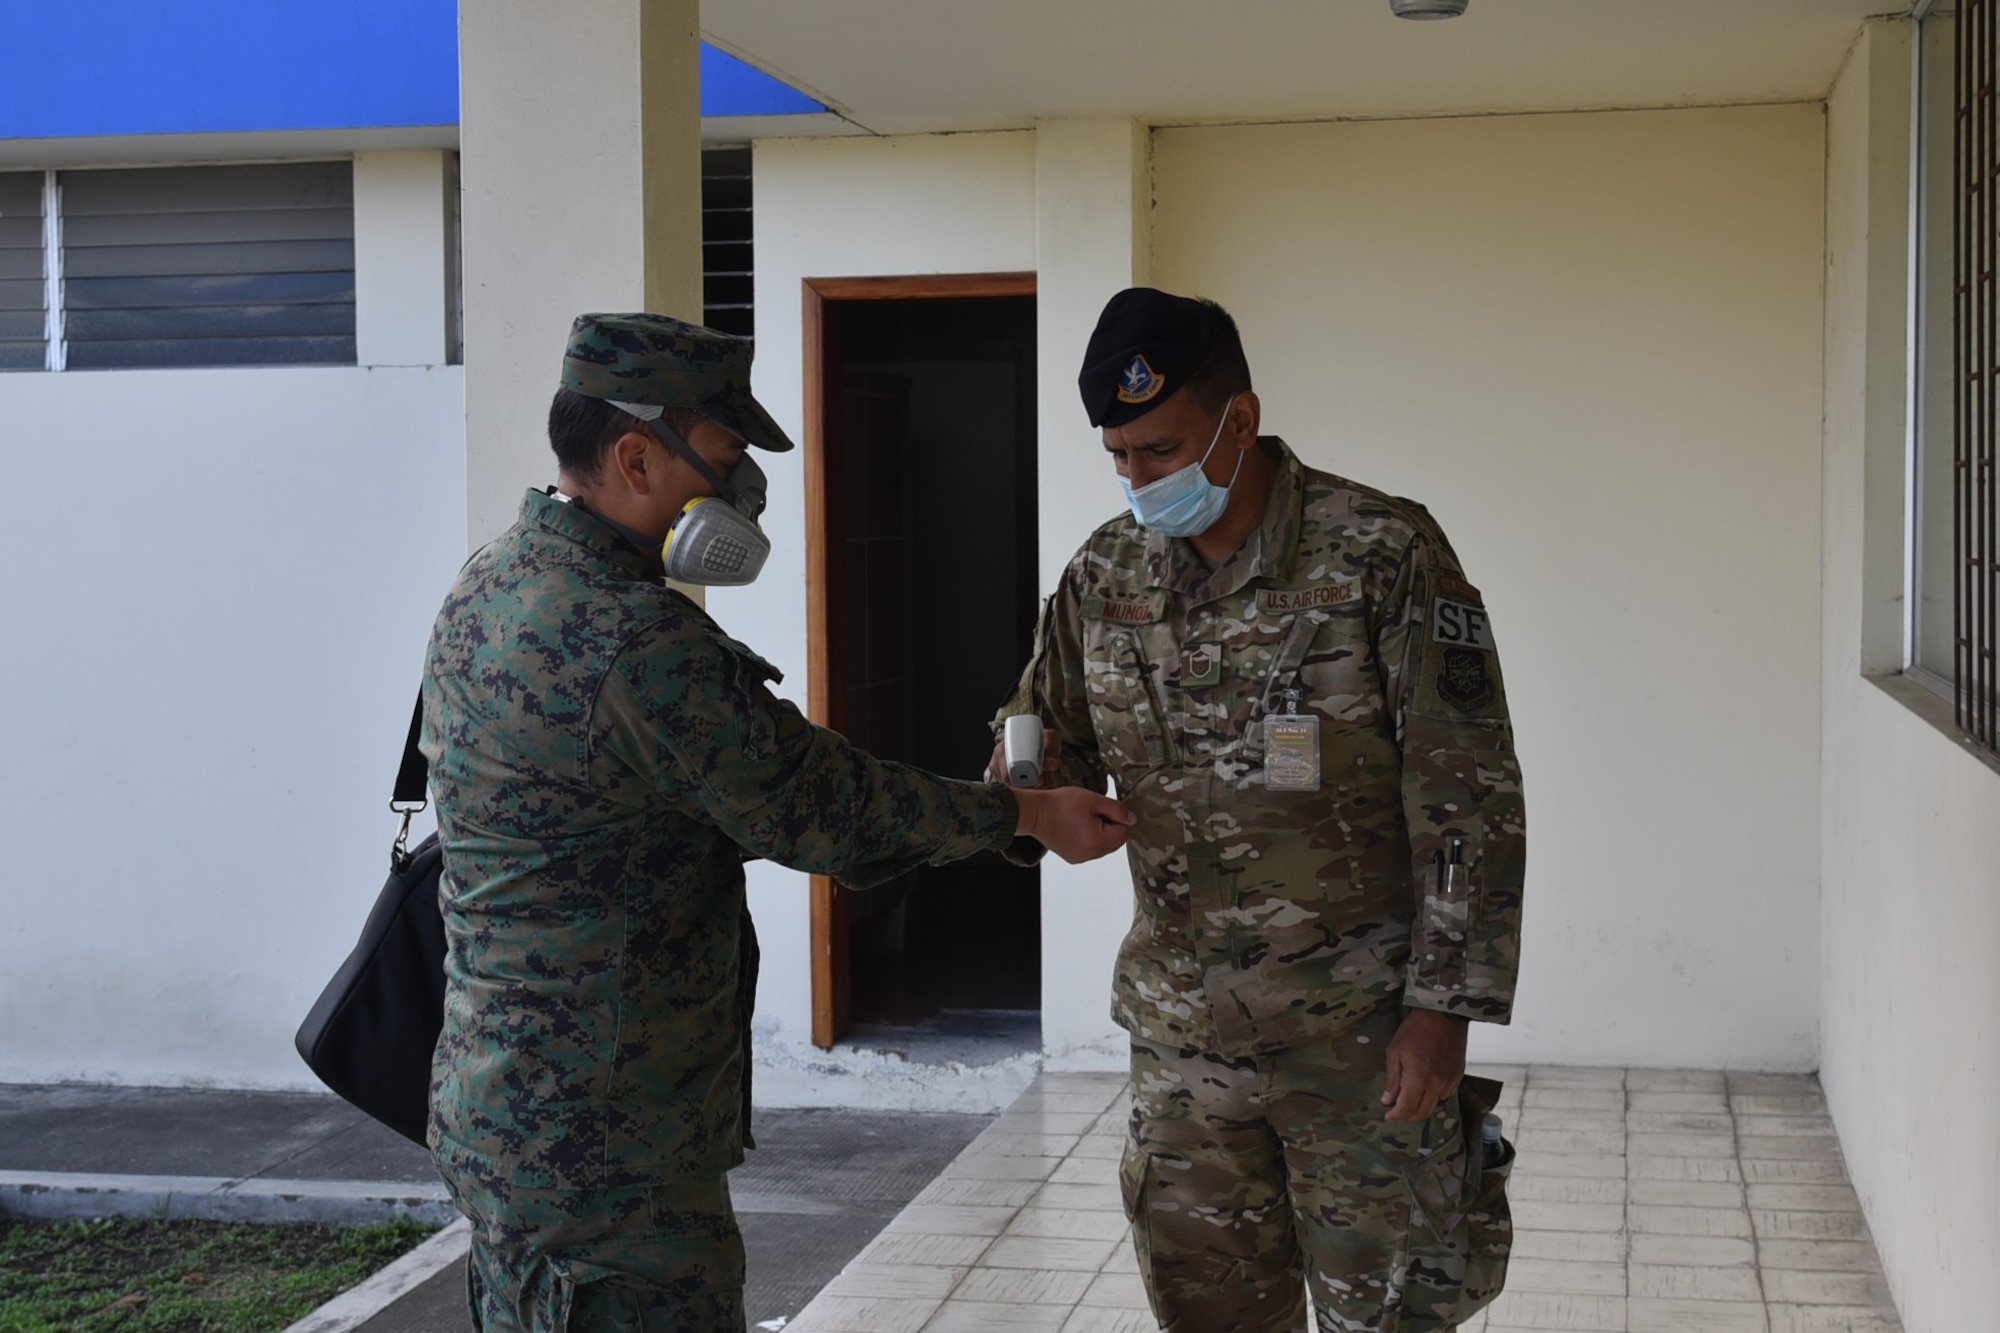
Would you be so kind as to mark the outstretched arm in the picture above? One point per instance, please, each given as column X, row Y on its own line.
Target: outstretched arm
column 697, row 717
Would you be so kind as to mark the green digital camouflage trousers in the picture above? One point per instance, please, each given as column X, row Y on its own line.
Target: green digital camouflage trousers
column 663, row 1259
column 1246, row 1179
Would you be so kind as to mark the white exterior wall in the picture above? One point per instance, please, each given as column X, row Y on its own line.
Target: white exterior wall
column 218, row 585
column 1590, row 344
column 1909, row 994
column 849, row 208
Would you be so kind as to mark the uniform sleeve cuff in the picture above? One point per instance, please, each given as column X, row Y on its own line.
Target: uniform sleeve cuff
column 1473, row 1008
column 1024, row 852
column 1001, row 837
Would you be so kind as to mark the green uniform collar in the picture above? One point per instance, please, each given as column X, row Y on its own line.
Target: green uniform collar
column 1269, row 552
column 539, row 509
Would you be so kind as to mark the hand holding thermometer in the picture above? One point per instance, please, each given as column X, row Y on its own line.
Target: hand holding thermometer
column 1021, row 742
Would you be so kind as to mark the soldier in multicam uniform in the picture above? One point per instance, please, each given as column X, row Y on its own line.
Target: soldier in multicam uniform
column 604, row 758
column 1295, row 689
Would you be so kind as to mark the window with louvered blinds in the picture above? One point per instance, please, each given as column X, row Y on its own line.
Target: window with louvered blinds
column 208, row 266
column 23, row 280
column 728, row 285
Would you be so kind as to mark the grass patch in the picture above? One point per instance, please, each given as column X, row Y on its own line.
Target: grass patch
column 141, row 1275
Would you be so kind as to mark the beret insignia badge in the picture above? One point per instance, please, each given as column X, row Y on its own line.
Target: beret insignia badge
column 1138, row 383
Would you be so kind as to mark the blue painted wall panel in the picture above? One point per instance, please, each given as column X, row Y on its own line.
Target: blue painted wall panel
column 85, row 68
column 103, row 67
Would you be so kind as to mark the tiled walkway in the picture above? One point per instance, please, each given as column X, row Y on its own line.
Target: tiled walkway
column 1645, row 1201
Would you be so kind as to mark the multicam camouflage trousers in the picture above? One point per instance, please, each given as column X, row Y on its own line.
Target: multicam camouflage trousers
column 1245, row 1179
column 663, row 1259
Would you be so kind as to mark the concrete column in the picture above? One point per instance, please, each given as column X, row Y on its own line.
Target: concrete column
column 580, row 137
column 670, row 152
column 401, row 231
column 1093, row 236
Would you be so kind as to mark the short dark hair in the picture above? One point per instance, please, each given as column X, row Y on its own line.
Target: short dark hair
column 1226, row 371
column 582, row 430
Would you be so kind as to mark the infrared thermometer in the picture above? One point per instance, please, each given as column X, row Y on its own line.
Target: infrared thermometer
column 1022, row 747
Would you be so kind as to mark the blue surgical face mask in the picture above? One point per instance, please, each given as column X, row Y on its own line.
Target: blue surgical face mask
column 1184, row 503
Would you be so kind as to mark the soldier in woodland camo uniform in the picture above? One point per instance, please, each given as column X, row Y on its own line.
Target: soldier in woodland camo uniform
column 1311, row 728
column 604, row 759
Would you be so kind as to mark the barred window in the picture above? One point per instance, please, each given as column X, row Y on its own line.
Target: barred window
column 1955, row 581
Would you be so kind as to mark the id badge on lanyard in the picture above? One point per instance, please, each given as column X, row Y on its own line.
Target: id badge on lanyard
column 1291, row 748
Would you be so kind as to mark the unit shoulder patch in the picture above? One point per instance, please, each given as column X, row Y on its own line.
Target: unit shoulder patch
column 1463, row 680
column 1333, row 592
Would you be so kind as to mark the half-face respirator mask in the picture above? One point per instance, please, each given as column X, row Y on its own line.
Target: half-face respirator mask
column 716, row 541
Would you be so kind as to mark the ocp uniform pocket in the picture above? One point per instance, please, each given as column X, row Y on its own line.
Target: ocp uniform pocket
column 1437, row 1181
column 1489, row 1221
column 1134, row 1168
column 1460, row 1228
column 1132, row 1180
column 1125, row 711
column 1444, row 919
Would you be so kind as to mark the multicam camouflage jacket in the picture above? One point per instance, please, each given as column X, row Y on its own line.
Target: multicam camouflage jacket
column 1265, row 917
column 604, row 759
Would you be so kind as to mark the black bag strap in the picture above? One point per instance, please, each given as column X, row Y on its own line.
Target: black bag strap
column 416, row 770
column 409, row 795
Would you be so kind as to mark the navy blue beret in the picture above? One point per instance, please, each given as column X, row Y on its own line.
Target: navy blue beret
column 1146, row 345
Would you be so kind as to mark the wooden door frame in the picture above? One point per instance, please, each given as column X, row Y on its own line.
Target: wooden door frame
column 830, row 975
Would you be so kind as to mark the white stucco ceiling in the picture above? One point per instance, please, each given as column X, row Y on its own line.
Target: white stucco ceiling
column 900, row 66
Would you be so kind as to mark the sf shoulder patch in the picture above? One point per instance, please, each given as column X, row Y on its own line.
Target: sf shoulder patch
column 1458, row 614
column 1138, row 383
column 1461, row 623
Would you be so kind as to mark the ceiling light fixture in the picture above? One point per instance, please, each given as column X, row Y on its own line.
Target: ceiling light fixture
column 1427, row 9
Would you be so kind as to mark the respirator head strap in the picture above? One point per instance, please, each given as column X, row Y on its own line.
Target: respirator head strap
column 686, row 452
column 651, row 414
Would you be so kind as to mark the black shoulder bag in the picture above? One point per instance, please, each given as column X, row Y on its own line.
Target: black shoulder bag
column 371, row 1033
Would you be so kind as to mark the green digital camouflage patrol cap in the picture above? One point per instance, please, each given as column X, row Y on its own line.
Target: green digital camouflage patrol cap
column 650, row 362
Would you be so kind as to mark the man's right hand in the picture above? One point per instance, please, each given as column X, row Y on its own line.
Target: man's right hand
column 1076, row 824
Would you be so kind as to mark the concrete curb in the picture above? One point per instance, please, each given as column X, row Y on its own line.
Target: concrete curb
column 359, row 1304
column 65, row 1195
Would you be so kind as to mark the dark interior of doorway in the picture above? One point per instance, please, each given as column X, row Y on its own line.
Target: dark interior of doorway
column 934, row 425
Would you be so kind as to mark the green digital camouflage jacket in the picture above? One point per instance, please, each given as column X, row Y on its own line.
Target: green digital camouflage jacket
column 604, row 758
column 1264, row 918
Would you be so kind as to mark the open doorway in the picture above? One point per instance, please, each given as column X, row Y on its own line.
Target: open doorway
column 921, row 568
